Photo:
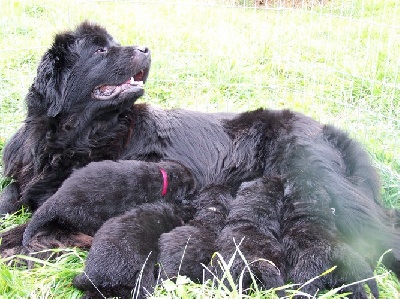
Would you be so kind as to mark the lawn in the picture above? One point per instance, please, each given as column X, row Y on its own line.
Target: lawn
column 338, row 62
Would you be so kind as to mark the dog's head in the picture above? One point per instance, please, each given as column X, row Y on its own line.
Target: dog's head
column 88, row 69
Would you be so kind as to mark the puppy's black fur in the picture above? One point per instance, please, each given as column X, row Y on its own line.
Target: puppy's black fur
column 81, row 108
column 311, row 240
column 124, row 252
column 102, row 190
column 184, row 249
column 9, row 199
column 253, row 226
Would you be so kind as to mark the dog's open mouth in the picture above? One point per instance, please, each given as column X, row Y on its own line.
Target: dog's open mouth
column 108, row 92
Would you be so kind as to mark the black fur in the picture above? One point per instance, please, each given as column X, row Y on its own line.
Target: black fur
column 65, row 127
column 253, row 224
column 124, row 252
column 102, row 190
column 312, row 241
column 9, row 199
column 73, row 120
column 184, row 249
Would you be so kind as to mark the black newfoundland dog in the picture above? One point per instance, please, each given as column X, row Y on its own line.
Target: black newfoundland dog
column 87, row 153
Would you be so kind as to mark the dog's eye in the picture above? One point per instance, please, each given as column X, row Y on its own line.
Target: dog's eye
column 101, row 51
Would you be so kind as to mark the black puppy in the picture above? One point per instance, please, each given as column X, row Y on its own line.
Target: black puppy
column 253, row 226
column 124, row 252
column 184, row 249
column 83, row 203
column 311, row 239
column 81, row 108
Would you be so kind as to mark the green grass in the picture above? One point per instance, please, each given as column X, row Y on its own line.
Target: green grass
column 47, row 280
column 337, row 63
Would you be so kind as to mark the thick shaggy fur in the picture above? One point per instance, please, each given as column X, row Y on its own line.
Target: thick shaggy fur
column 76, row 115
column 253, row 226
column 184, row 249
column 66, row 126
column 83, row 203
column 311, row 240
column 125, row 249
column 122, row 259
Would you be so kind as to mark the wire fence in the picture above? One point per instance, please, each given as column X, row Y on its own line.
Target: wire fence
column 335, row 60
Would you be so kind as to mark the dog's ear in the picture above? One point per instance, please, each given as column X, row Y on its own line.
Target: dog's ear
column 53, row 67
column 63, row 57
column 60, row 50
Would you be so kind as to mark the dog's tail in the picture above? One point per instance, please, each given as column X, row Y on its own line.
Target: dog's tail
column 364, row 213
column 359, row 169
column 42, row 217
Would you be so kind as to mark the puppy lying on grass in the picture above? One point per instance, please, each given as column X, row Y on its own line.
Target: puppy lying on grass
column 83, row 204
column 253, row 227
column 82, row 110
column 185, row 249
column 123, row 257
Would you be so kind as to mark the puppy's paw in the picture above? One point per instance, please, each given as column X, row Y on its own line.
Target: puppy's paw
column 81, row 282
column 246, row 274
column 266, row 275
column 9, row 199
column 351, row 267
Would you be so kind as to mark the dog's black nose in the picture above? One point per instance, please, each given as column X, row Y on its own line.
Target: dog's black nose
column 142, row 49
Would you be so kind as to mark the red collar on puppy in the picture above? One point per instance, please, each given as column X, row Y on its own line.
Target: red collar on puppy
column 165, row 182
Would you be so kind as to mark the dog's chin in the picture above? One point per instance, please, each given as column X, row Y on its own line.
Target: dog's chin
column 130, row 96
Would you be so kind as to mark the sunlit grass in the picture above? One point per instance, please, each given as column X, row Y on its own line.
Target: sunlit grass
column 46, row 280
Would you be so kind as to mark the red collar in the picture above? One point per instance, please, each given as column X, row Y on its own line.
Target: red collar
column 165, row 182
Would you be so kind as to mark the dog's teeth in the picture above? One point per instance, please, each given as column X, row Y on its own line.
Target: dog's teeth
column 136, row 83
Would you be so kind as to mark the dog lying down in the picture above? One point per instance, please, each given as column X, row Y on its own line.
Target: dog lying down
column 84, row 204
column 183, row 249
column 88, row 154
column 126, row 254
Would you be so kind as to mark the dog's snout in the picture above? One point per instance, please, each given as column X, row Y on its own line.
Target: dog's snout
column 143, row 49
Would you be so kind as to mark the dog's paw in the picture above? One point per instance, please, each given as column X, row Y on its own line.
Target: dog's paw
column 9, row 199
column 94, row 289
column 261, row 272
column 82, row 282
column 246, row 272
column 351, row 267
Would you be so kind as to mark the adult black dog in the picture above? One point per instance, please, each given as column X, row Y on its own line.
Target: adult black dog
column 81, row 108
